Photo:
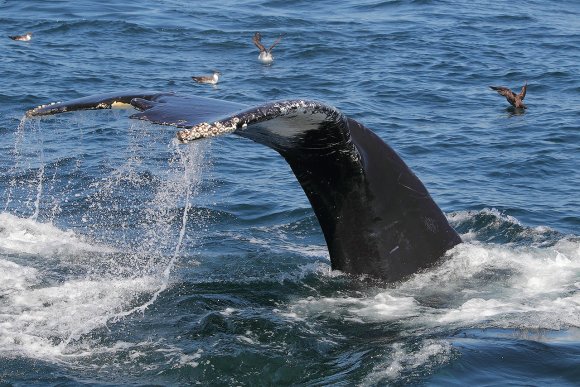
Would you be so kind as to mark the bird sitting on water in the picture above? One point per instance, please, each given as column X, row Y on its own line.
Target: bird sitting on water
column 24, row 38
column 265, row 54
column 210, row 79
column 514, row 99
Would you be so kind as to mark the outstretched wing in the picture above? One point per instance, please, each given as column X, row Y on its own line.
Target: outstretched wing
column 522, row 93
column 507, row 93
column 257, row 39
column 276, row 42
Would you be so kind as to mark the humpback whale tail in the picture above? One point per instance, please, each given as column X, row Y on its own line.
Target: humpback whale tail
column 376, row 215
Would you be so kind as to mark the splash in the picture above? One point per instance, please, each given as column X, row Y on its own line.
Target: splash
column 16, row 156
column 507, row 288
column 189, row 159
column 477, row 285
column 402, row 361
column 76, row 258
column 25, row 236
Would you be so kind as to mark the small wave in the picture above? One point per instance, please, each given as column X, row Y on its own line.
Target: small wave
column 492, row 225
column 382, row 307
column 508, row 18
column 92, row 25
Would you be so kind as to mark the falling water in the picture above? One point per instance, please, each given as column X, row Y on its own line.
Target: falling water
column 114, row 257
column 15, row 153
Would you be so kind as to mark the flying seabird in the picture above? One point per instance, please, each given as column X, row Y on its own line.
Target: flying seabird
column 211, row 79
column 514, row 99
column 25, row 38
column 265, row 54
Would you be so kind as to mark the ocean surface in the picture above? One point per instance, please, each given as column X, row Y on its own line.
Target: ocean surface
column 127, row 259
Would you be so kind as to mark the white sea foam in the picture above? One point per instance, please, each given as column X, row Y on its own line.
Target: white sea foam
column 402, row 360
column 23, row 235
column 191, row 360
column 51, row 300
column 308, row 250
column 381, row 307
column 43, row 322
column 478, row 285
column 283, row 244
column 14, row 278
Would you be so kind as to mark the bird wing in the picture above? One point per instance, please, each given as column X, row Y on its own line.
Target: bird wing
column 257, row 41
column 522, row 93
column 507, row 93
column 276, row 42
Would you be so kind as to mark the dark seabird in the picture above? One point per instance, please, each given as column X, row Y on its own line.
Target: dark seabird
column 24, row 38
column 514, row 99
column 265, row 54
column 211, row 79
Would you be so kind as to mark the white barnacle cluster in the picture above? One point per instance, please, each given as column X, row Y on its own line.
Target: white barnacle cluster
column 36, row 110
column 285, row 108
column 205, row 130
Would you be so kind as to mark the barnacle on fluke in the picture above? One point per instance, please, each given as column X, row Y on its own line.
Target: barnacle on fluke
column 205, row 129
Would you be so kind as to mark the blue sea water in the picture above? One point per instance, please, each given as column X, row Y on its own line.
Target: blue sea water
column 126, row 259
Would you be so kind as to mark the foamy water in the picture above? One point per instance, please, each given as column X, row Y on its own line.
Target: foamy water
column 27, row 236
column 49, row 315
column 478, row 286
column 57, row 285
column 477, row 283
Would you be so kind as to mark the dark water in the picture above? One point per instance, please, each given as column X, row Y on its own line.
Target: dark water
column 127, row 259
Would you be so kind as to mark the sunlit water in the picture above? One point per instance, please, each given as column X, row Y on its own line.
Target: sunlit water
column 126, row 258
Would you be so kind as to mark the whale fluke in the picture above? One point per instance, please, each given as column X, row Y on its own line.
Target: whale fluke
column 376, row 215
column 101, row 101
